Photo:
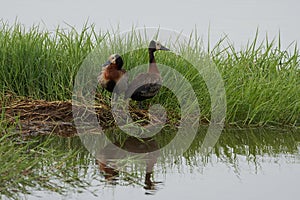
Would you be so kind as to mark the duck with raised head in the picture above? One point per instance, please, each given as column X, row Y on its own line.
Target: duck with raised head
column 147, row 85
column 111, row 73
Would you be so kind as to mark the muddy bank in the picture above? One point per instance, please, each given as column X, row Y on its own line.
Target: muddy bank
column 45, row 117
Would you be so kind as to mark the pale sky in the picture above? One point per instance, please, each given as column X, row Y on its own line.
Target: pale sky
column 238, row 19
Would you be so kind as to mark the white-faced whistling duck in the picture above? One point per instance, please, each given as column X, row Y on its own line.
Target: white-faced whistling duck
column 111, row 73
column 147, row 85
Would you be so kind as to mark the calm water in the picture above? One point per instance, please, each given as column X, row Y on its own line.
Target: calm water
column 244, row 164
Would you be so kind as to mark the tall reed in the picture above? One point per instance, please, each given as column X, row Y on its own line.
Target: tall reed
column 261, row 80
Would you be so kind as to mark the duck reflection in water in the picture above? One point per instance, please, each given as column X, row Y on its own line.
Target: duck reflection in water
column 110, row 157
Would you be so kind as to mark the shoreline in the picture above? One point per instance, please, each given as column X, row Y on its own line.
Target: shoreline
column 40, row 117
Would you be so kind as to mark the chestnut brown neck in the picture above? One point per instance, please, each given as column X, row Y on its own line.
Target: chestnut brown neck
column 152, row 66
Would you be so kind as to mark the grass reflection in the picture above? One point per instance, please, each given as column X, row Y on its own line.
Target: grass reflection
column 60, row 164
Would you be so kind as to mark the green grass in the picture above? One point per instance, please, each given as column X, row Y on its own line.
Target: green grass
column 41, row 63
column 261, row 81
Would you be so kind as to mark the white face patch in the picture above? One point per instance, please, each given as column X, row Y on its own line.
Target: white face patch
column 112, row 58
column 158, row 46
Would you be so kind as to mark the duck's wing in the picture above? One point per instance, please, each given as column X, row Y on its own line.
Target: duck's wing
column 110, row 80
column 144, row 86
column 103, row 81
column 122, row 83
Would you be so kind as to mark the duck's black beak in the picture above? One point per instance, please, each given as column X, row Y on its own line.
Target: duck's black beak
column 107, row 63
column 164, row 48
